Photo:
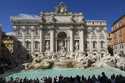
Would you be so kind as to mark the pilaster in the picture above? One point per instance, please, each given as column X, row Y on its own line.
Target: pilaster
column 81, row 46
column 41, row 40
column 23, row 35
column 71, row 41
column 51, row 40
column 32, row 41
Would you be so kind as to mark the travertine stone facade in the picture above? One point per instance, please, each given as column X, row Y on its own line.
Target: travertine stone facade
column 54, row 33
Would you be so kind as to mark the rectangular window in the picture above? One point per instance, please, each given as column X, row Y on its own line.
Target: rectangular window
column 87, row 44
column 36, row 32
column 36, row 45
column 94, row 44
column 27, row 31
column 102, row 44
column 18, row 32
column 28, row 45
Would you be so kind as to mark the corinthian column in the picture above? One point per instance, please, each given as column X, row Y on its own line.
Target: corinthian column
column 81, row 46
column 91, row 45
column 41, row 40
column 71, row 41
column 32, row 37
column 23, row 35
column 98, row 44
column 51, row 40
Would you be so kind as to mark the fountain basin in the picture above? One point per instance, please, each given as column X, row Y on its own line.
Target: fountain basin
column 39, row 73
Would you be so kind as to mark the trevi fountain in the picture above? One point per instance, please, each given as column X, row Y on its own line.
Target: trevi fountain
column 63, row 39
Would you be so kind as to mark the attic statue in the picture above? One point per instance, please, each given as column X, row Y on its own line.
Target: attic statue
column 61, row 8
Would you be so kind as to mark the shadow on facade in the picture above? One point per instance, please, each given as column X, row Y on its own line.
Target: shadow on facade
column 12, row 54
column 5, row 59
column 20, row 54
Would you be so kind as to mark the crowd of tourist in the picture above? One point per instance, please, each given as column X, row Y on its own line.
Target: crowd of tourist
column 61, row 79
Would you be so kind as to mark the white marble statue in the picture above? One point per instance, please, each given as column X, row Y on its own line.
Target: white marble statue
column 62, row 50
column 47, row 47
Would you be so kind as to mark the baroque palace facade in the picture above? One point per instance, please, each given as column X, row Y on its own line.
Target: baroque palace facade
column 118, row 36
column 61, row 33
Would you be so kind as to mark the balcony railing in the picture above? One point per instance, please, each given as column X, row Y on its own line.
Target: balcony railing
column 19, row 36
column 36, row 50
column 36, row 37
column 27, row 36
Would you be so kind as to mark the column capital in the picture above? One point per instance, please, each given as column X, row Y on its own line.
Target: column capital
column 51, row 27
column 23, row 28
column 15, row 28
column 41, row 27
column 81, row 27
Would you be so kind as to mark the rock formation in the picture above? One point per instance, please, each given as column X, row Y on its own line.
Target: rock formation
column 82, row 61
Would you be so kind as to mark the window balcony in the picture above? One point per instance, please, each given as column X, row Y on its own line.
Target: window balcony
column 87, row 49
column 36, row 50
column 76, row 37
column 94, row 49
column 103, row 49
column 19, row 36
column 36, row 37
column 47, row 37
column 29, row 50
column 28, row 37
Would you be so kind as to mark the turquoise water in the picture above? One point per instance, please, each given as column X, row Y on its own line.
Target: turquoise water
column 39, row 73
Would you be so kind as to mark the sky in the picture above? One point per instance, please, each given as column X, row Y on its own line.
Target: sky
column 109, row 10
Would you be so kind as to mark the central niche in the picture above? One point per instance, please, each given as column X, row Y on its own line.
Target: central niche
column 61, row 41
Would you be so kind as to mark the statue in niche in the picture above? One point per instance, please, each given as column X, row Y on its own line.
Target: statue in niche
column 76, row 46
column 47, row 47
column 76, row 50
column 62, row 49
column 47, row 50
